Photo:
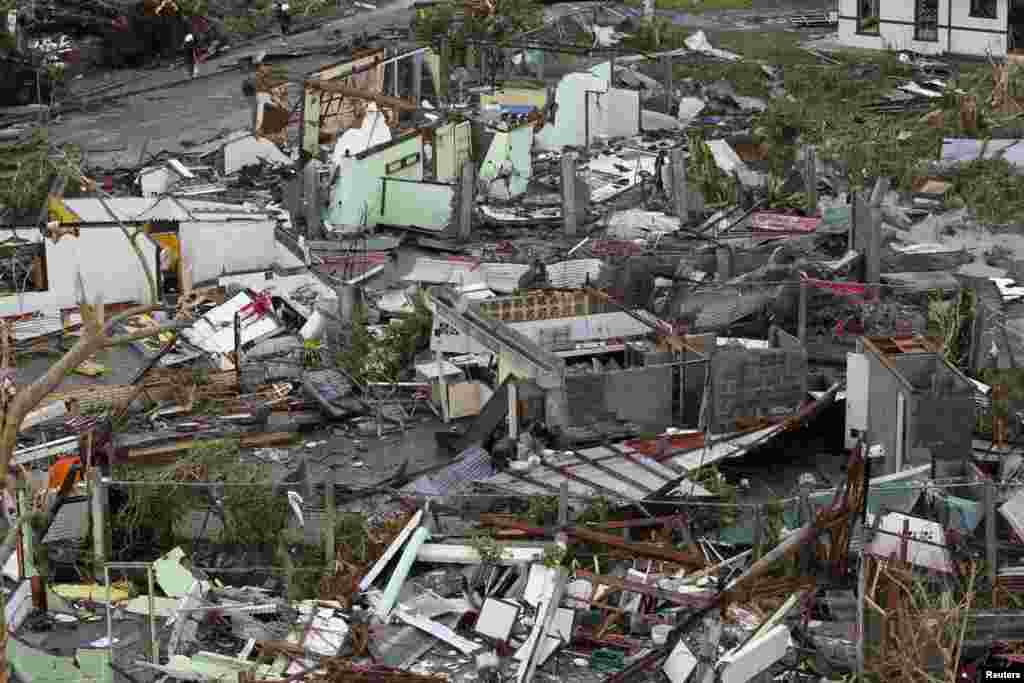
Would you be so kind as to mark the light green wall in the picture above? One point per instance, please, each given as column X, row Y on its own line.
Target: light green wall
column 453, row 145
column 358, row 190
column 38, row 666
column 424, row 205
column 513, row 146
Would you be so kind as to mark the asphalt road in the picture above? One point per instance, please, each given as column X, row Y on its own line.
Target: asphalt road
column 116, row 134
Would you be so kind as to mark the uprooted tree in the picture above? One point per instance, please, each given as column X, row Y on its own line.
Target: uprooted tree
column 16, row 403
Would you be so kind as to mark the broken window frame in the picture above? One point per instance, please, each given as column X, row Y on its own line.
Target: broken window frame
column 984, row 9
column 869, row 24
column 926, row 32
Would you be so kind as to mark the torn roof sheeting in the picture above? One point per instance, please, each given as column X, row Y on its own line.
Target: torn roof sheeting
column 622, row 473
column 613, row 174
column 302, row 291
column 958, row 149
column 134, row 210
column 723, row 307
column 925, row 548
column 501, row 277
column 574, row 274
column 599, row 326
column 1013, row 511
column 446, row 271
column 215, row 331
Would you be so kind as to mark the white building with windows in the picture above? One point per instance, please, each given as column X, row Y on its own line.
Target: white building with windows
column 967, row 27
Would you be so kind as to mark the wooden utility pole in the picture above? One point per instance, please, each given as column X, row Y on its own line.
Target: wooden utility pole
column 467, row 199
column 569, row 188
column 811, row 179
column 873, row 248
column 669, row 87
column 802, row 314
column 680, row 191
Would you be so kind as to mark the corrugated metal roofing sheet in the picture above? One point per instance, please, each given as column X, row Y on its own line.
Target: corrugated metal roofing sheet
column 504, row 277
column 622, row 473
column 444, row 271
column 585, row 327
column 70, row 524
column 140, row 209
column 573, row 274
column 725, row 307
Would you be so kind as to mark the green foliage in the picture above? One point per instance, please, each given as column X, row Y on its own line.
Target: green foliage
column 448, row 18
column 312, row 357
column 829, row 107
column 487, row 547
column 714, row 481
column 991, row 188
column 598, row 512
column 718, row 188
column 254, row 515
column 542, row 510
column 554, row 555
column 241, row 25
column 951, row 320
column 774, row 522
column 656, row 35
column 27, row 169
column 351, row 531
column 1013, row 379
column 369, row 359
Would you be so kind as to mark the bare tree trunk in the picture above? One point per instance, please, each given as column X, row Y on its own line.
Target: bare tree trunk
column 94, row 338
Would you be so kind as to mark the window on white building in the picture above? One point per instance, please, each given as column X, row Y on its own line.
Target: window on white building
column 926, row 21
column 868, row 17
column 983, row 9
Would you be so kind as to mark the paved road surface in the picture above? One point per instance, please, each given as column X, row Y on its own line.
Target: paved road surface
column 199, row 110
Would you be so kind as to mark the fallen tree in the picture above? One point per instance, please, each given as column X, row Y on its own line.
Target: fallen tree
column 16, row 403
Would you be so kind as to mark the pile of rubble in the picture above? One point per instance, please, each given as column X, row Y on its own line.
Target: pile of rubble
column 440, row 381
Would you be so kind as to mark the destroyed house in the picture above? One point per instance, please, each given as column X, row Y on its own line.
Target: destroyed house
column 327, row 115
column 903, row 396
column 386, row 185
column 967, row 27
column 580, row 360
column 90, row 238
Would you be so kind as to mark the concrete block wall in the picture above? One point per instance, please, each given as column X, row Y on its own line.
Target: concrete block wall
column 755, row 382
column 641, row 395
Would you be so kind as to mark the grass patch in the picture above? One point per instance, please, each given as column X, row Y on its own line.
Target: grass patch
column 828, row 109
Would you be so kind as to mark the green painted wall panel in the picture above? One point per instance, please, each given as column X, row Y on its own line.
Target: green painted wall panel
column 424, row 205
column 356, row 195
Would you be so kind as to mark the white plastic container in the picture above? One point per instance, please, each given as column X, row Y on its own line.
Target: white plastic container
column 314, row 327
column 659, row 634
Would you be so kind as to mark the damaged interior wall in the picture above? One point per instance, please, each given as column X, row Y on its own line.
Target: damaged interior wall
column 106, row 261
column 508, row 166
column 325, row 115
column 517, row 355
column 356, row 197
column 641, row 395
column 452, row 146
column 756, row 382
column 214, row 248
column 606, row 112
column 426, row 205
column 919, row 407
column 516, row 97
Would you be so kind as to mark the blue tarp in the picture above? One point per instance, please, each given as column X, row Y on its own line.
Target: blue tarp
column 517, row 109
